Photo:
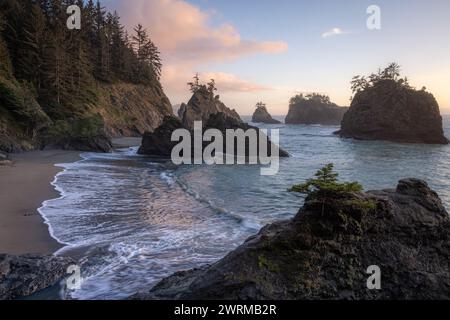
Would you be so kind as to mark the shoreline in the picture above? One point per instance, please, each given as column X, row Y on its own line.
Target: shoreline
column 24, row 187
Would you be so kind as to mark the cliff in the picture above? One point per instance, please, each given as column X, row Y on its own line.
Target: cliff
column 111, row 110
column 261, row 115
column 325, row 251
column 315, row 111
column 391, row 111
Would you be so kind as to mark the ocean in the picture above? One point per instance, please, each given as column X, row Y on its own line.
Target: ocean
column 135, row 220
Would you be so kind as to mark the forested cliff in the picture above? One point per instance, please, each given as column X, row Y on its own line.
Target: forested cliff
column 59, row 85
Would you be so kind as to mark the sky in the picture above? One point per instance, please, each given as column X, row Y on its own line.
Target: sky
column 270, row 50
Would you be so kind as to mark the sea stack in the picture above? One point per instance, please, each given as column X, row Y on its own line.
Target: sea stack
column 314, row 109
column 261, row 115
column 387, row 108
column 202, row 105
column 325, row 253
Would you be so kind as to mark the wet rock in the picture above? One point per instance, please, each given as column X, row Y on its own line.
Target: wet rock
column 325, row 251
column 22, row 276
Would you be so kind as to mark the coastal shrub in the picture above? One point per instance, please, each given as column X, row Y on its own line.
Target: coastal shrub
column 389, row 74
column 64, row 130
column 325, row 184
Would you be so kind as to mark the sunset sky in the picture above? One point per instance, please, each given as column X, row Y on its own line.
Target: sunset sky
column 269, row 50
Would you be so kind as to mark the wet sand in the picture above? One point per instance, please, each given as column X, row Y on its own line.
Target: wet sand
column 24, row 186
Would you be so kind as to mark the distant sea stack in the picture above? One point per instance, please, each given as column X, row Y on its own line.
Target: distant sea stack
column 326, row 250
column 314, row 109
column 261, row 115
column 386, row 107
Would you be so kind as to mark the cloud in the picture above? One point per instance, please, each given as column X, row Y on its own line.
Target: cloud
column 230, row 83
column 333, row 32
column 183, row 32
column 190, row 39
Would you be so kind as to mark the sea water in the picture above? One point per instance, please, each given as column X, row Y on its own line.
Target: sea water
column 134, row 220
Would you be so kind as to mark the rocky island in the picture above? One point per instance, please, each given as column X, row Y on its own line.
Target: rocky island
column 261, row 115
column 314, row 109
column 203, row 106
column 386, row 107
column 325, row 252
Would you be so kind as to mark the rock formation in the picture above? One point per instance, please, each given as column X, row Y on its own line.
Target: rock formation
column 325, row 251
column 158, row 143
column 201, row 106
column 21, row 276
column 391, row 111
column 261, row 115
column 314, row 109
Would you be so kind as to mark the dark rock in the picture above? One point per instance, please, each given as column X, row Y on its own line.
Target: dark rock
column 389, row 111
column 222, row 122
column 201, row 106
column 261, row 115
column 21, row 276
column 324, row 253
column 158, row 143
column 315, row 112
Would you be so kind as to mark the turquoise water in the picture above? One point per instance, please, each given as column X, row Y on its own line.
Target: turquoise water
column 135, row 220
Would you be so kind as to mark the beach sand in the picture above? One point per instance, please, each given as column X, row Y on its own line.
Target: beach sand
column 24, row 186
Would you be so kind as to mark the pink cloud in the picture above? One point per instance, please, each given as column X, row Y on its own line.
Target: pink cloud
column 184, row 32
column 230, row 83
column 188, row 38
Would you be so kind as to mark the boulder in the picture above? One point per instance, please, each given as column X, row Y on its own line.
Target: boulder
column 261, row 115
column 22, row 276
column 201, row 106
column 315, row 111
column 325, row 253
column 393, row 112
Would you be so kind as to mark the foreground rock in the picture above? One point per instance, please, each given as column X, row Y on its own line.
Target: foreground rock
column 22, row 276
column 390, row 111
column 324, row 253
column 261, row 115
column 159, row 144
column 201, row 106
column 314, row 109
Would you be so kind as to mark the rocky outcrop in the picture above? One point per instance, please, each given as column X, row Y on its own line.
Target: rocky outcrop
column 21, row 276
column 393, row 112
column 158, row 143
column 261, row 115
column 201, row 106
column 325, row 251
column 315, row 112
column 222, row 122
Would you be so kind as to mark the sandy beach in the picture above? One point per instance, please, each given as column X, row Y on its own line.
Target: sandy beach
column 24, row 186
